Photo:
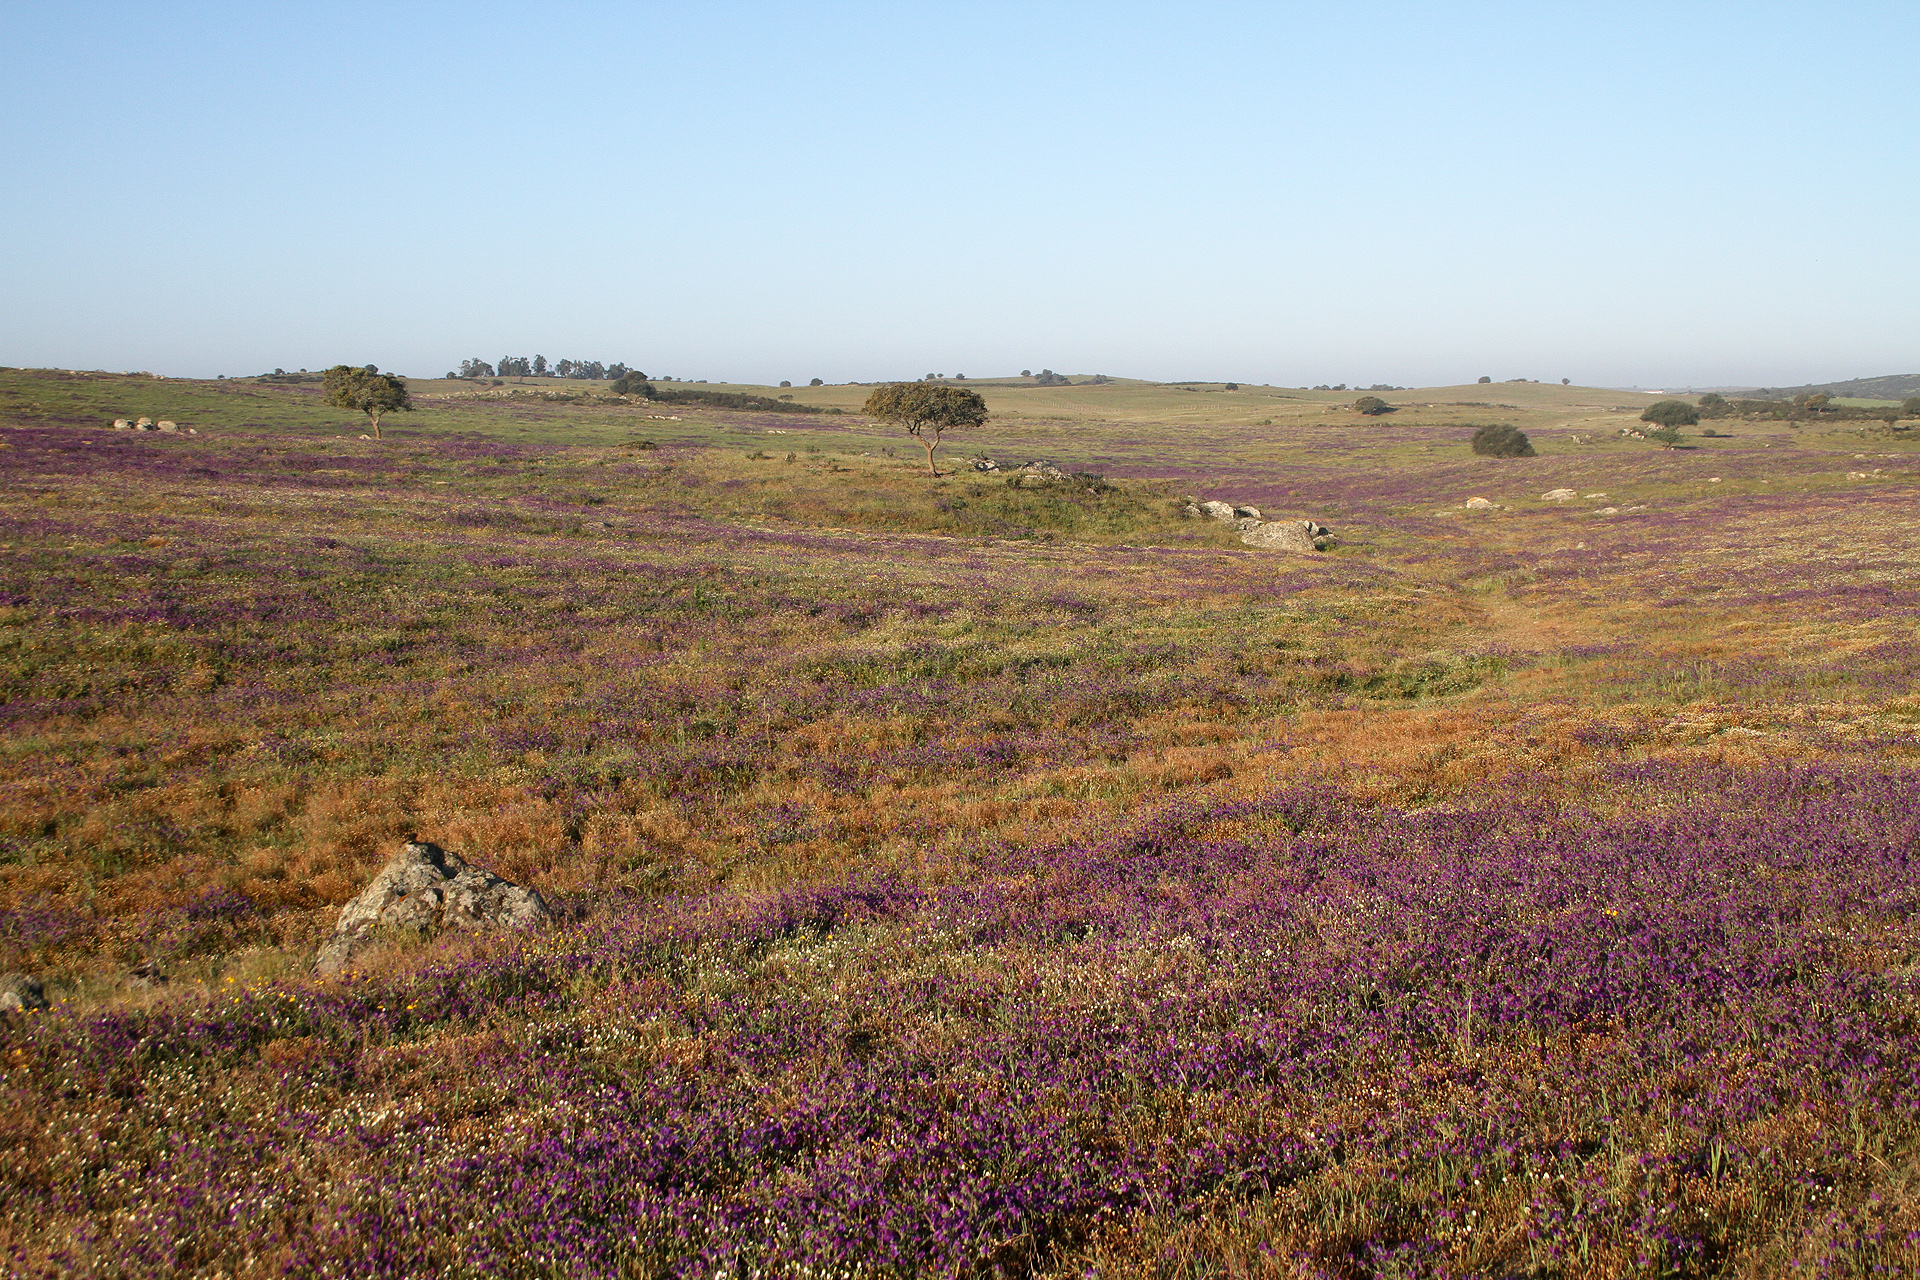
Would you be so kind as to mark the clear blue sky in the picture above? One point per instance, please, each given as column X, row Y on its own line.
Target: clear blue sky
column 1418, row 193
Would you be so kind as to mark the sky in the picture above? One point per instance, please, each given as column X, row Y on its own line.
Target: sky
column 1622, row 194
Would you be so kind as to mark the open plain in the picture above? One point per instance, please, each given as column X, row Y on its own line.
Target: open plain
column 953, row 878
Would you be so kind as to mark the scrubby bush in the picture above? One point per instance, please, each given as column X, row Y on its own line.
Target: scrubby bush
column 1372, row 405
column 1501, row 440
column 1910, row 407
column 1484, row 378
column 814, row 383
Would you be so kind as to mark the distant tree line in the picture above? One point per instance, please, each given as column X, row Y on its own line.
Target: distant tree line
column 1815, row 407
column 638, row 384
column 537, row 367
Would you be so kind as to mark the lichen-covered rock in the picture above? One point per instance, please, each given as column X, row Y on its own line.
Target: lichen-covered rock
column 1247, row 513
column 1221, row 511
column 427, row 889
column 21, row 992
column 1281, row 535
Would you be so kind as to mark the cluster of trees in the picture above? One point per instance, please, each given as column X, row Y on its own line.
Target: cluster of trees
column 537, row 367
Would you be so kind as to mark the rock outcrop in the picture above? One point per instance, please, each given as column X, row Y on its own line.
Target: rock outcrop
column 427, row 889
column 1268, row 535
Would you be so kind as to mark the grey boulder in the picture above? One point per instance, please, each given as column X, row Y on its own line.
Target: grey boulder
column 21, row 992
column 427, row 889
column 1282, row 535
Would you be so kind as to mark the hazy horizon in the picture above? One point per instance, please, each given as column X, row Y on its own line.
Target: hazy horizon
column 1655, row 196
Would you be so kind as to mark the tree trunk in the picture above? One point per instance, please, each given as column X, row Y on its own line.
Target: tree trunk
column 376, row 423
column 929, row 447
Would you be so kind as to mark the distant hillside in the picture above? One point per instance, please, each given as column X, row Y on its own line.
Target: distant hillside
column 1892, row 386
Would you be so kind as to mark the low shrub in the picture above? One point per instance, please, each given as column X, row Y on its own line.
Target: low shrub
column 1501, row 440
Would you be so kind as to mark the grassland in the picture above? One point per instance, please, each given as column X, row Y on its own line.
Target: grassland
column 958, row 879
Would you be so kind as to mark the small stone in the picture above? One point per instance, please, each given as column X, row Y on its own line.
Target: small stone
column 121, row 424
column 21, row 993
column 144, row 424
column 1594, row 495
column 1247, row 513
column 1478, row 504
column 169, row 427
column 1558, row 495
column 1221, row 511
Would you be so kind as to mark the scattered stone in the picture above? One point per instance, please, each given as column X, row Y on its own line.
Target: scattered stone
column 985, row 464
column 1247, row 513
column 1558, row 495
column 1594, row 495
column 1190, row 510
column 121, row 424
column 1713, row 479
column 427, row 889
column 1281, row 535
column 1478, row 504
column 1221, row 511
column 1856, row 475
column 21, row 993
column 1608, row 511
column 166, row 426
column 144, row 424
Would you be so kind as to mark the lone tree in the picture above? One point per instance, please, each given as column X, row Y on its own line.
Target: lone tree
column 1498, row 440
column 1373, row 406
column 1910, row 407
column 368, row 390
column 926, row 411
column 1669, row 416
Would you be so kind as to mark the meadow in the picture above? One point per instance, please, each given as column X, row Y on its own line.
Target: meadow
column 956, row 879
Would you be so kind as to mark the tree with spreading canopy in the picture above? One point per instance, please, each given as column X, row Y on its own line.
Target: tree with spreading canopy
column 367, row 390
column 1671, row 414
column 926, row 411
column 1372, row 406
